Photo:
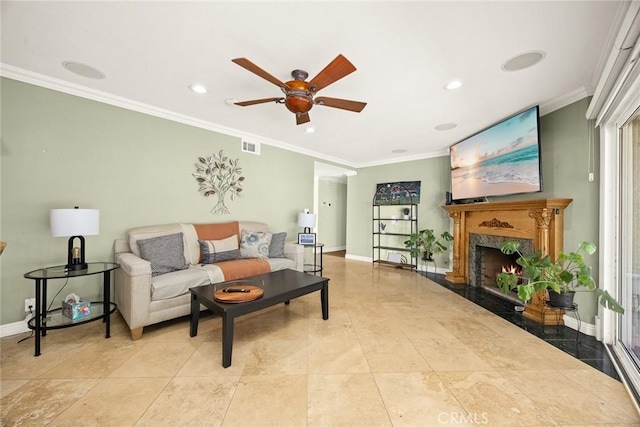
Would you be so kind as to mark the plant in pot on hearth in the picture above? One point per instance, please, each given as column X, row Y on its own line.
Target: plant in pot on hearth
column 560, row 277
column 426, row 243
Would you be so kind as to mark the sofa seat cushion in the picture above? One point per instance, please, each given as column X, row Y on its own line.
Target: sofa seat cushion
column 241, row 268
column 177, row 283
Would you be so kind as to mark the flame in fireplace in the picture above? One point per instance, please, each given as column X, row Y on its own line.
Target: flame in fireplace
column 512, row 269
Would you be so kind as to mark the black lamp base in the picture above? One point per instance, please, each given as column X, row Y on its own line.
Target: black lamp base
column 75, row 256
column 74, row 267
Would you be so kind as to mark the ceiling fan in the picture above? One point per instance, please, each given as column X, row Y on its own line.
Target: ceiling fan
column 299, row 94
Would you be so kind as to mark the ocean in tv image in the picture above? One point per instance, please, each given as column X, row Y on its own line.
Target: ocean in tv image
column 503, row 159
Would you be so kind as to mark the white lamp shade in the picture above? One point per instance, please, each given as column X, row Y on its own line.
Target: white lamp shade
column 74, row 222
column 306, row 219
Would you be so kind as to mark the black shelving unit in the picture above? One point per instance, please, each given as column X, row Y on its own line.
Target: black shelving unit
column 388, row 243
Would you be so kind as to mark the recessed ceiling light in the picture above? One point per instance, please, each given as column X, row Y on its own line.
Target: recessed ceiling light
column 446, row 126
column 310, row 129
column 83, row 70
column 524, row 60
column 399, row 151
column 453, row 84
column 198, row 88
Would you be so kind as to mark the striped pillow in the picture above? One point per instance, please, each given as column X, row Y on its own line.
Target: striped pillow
column 219, row 250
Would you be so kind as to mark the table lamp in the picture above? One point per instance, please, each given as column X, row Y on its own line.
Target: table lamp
column 75, row 223
column 306, row 220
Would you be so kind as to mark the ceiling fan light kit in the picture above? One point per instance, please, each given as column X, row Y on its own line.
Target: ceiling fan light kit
column 299, row 94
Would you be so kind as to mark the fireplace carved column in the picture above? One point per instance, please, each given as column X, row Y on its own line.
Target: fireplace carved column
column 541, row 221
column 456, row 275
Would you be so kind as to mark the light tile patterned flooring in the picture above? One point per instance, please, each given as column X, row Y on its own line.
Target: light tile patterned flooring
column 397, row 350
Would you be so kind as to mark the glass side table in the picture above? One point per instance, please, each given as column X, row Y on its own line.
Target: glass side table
column 316, row 266
column 41, row 322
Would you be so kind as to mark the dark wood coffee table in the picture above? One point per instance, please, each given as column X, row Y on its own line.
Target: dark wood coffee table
column 279, row 287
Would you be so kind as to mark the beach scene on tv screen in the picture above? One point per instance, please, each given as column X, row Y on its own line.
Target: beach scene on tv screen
column 503, row 159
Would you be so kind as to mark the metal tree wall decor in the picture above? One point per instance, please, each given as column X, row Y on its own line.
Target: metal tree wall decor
column 218, row 175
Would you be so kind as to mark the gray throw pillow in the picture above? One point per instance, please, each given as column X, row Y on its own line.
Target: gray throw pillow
column 276, row 248
column 165, row 253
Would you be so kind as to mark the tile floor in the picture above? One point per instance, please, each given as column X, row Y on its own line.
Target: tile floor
column 398, row 349
column 579, row 345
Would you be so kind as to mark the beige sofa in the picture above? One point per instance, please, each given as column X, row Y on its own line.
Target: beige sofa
column 146, row 297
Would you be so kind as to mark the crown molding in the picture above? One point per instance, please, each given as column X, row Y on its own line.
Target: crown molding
column 26, row 76
column 564, row 100
column 63, row 86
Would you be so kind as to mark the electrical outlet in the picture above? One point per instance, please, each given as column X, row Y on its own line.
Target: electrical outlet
column 29, row 302
column 591, row 177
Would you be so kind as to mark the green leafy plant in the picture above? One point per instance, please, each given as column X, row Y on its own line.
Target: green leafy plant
column 427, row 243
column 565, row 274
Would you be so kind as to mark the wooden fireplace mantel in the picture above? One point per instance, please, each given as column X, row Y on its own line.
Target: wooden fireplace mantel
column 540, row 220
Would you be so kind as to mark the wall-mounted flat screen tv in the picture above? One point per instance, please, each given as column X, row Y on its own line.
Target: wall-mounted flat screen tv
column 501, row 160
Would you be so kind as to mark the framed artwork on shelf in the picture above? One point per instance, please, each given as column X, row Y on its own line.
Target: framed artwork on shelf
column 397, row 193
column 306, row 238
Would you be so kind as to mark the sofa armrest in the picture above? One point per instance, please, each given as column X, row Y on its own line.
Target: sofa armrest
column 132, row 286
column 295, row 252
column 133, row 265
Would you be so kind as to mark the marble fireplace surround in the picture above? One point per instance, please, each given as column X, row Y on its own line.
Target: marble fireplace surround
column 541, row 221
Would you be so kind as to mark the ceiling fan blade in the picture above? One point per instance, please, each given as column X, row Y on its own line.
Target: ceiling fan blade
column 337, row 69
column 343, row 104
column 302, row 118
column 259, row 101
column 248, row 65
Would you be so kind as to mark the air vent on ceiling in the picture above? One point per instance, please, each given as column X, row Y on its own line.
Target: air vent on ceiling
column 251, row 147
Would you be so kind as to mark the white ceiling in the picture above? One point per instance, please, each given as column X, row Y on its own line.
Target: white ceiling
column 405, row 52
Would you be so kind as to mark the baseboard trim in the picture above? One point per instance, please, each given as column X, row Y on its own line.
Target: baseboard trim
column 333, row 249
column 358, row 258
column 421, row 267
column 14, row 328
column 585, row 328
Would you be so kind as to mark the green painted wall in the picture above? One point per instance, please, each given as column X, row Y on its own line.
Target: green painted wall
column 332, row 214
column 565, row 158
column 434, row 175
column 60, row 150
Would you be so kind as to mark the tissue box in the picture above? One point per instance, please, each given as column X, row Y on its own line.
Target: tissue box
column 75, row 311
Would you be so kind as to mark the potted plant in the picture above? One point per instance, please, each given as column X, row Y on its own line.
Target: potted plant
column 560, row 277
column 405, row 212
column 426, row 242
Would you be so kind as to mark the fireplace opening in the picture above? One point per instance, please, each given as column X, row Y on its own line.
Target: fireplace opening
column 492, row 263
column 486, row 261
